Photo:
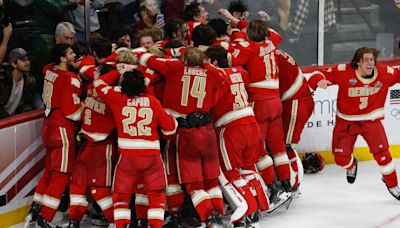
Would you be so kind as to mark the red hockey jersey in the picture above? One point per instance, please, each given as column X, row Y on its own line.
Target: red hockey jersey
column 97, row 117
column 187, row 89
column 259, row 59
column 292, row 84
column 61, row 96
column 359, row 99
column 232, row 107
column 137, row 118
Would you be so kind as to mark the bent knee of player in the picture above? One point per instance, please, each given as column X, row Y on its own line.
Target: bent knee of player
column 343, row 160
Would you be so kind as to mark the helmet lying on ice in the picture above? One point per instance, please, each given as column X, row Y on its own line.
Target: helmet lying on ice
column 313, row 163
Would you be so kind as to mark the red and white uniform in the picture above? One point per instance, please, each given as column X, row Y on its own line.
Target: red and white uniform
column 296, row 97
column 297, row 103
column 238, row 136
column 360, row 109
column 61, row 93
column 259, row 59
column 137, row 119
column 191, row 89
column 191, row 25
column 94, row 164
column 222, row 42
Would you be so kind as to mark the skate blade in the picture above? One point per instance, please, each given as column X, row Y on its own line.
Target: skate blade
column 29, row 224
column 254, row 225
column 273, row 207
column 288, row 202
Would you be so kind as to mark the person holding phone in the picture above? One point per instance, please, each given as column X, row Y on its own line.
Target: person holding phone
column 7, row 31
column 150, row 17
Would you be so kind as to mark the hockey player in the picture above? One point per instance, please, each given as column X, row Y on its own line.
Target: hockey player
column 194, row 15
column 238, row 134
column 298, row 105
column 190, row 86
column 363, row 86
column 258, row 56
column 61, row 93
column 94, row 165
column 137, row 117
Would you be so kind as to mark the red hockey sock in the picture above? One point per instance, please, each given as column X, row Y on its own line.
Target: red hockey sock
column 388, row 171
column 215, row 194
column 122, row 213
column 103, row 197
column 78, row 204
column 52, row 195
column 41, row 187
column 281, row 162
column 200, row 199
column 175, row 196
column 345, row 161
column 155, row 213
column 265, row 167
column 141, row 204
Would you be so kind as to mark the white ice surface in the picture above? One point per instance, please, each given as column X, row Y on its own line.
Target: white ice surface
column 328, row 201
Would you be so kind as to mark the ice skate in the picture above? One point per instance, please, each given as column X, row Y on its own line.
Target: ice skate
column 277, row 197
column 99, row 220
column 395, row 191
column 172, row 221
column 73, row 224
column 43, row 223
column 214, row 221
column 253, row 220
column 352, row 174
column 33, row 214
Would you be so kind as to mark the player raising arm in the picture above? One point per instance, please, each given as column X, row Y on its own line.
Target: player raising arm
column 363, row 86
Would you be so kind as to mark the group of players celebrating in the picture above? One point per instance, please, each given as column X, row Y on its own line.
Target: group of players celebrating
column 212, row 120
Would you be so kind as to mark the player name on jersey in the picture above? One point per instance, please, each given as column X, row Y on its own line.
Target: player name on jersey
column 236, row 77
column 266, row 50
column 139, row 101
column 95, row 105
column 195, row 71
column 363, row 91
column 51, row 76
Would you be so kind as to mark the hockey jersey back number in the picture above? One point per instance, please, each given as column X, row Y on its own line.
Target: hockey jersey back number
column 132, row 113
column 197, row 90
column 47, row 93
column 239, row 91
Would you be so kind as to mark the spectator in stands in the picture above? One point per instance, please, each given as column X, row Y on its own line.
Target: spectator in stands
column 77, row 18
column 47, row 14
column 304, row 25
column 6, row 29
column 148, row 11
column 122, row 38
column 17, row 85
column 64, row 34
